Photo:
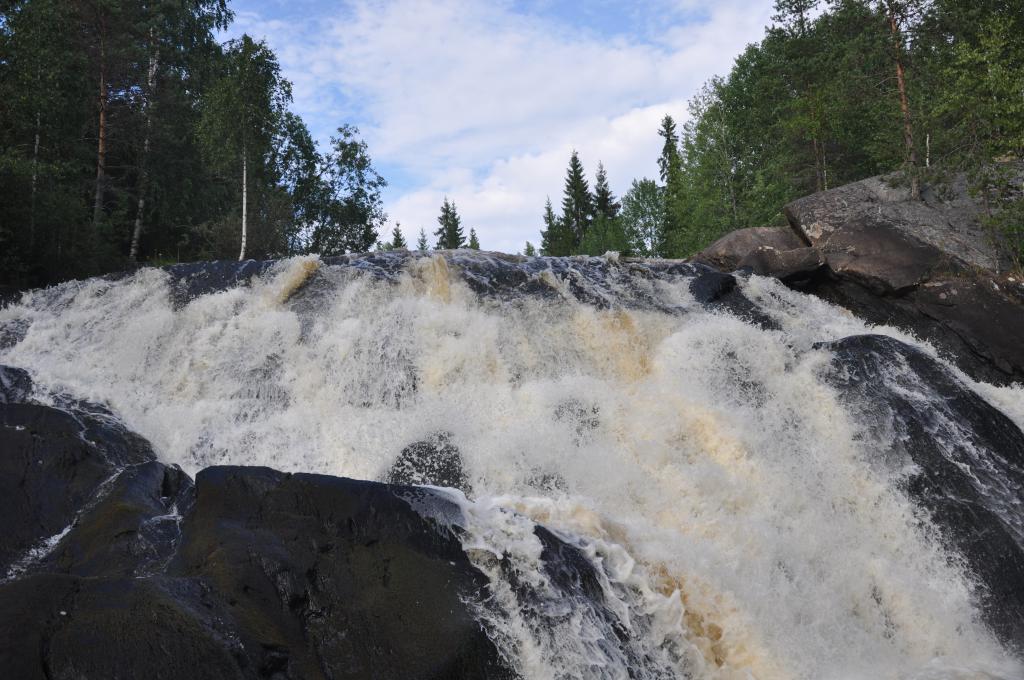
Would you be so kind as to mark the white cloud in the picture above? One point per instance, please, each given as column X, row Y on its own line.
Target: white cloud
column 483, row 104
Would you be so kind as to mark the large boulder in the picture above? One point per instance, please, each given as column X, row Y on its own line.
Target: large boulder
column 434, row 461
column 928, row 266
column 787, row 265
column 946, row 219
column 330, row 577
column 727, row 252
column 56, row 465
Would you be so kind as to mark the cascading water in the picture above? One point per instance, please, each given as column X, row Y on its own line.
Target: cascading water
column 731, row 506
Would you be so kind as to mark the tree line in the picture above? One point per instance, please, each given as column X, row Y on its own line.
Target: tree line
column 129, row 134
column 836, row 91
column 450, row 234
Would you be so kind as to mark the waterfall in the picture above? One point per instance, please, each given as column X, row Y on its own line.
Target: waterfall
column 742, row 516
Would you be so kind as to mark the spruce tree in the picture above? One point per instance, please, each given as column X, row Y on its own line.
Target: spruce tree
column 474, row 244
column 449, row 232
column 577, row 203
column 555, row 239
column 421, row 242
column 669, row 160
column 670, row 167
column 529, row 251
column 397, row 240
column 604, row 200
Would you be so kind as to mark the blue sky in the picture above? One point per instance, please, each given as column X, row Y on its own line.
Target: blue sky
column 484, row 101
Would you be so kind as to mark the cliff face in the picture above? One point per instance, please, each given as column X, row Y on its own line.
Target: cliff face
column 929, row 267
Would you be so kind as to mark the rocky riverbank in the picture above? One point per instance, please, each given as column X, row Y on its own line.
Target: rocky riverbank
column 929, row 267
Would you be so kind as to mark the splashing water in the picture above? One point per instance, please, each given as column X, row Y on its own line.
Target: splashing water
column 737, row 515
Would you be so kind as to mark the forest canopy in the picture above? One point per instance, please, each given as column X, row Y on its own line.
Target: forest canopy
column 130, row 134
column 837, row 91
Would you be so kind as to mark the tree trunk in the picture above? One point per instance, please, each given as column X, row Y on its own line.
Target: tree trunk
column 154, row 61
column 901, row 84
column 819, row 177
column 101, row 151
column 35, row 178
column 241, row 254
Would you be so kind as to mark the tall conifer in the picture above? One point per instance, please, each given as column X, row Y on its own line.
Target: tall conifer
column 449, row 232
column 577, row 202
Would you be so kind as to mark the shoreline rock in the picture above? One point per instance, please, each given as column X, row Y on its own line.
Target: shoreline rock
column 928, row 267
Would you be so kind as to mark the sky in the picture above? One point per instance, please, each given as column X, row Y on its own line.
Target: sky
column 483, row 101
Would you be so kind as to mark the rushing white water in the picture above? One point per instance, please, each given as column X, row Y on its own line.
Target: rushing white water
column 743, row 526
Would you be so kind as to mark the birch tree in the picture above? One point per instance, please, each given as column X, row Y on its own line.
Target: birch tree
column 241, row 115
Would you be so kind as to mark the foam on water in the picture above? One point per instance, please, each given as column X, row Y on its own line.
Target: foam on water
column 742, row 523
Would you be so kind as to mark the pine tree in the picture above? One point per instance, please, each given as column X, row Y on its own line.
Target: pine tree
column 421, row 242
column 449, row 232
column 604, row 200
column 577, row 202
column 397, row 240
column 898, row 14
column 474, row 244
column 529, row 251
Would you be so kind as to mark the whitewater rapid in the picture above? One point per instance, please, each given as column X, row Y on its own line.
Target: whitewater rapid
column 742, row 521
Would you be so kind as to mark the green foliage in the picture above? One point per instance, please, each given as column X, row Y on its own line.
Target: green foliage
column 643, row 217
column 421, row 242
column 397, row 240
column 604, row 200
column 606, row 234
column 346, row 211
column 529, row 250
column 555, row 238
column 474, row 244
column 577, row 202
column 816, row 104
column 179, row 113
column 449, row 232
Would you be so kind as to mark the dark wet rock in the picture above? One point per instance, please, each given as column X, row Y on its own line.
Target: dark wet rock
column 192, row 279
column 787, row 265
column 711, row 286
column 60, row 626
column 251, row 573
column 15, row 384
column 729, row 251
column 434, row 461
column 9, row 296
column 967, row 461
column 975, row 322
column 720, row 291
column 131, row 529
column 568, row 568
column 330, row 577
column 54, row 463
